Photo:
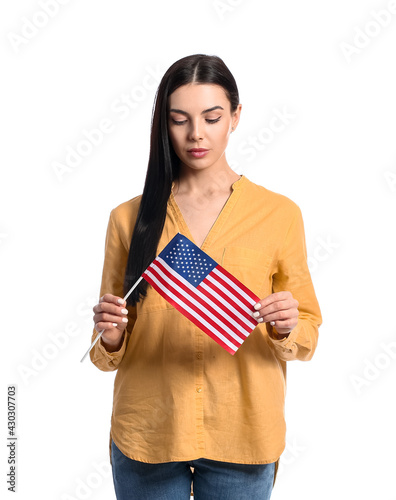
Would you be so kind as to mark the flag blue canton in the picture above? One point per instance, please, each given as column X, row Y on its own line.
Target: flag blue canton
column 188, row 260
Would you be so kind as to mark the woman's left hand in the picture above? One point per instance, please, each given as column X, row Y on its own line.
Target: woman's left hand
column 280, row 310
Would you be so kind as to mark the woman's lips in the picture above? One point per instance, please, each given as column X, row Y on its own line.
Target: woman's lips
column 198, row 152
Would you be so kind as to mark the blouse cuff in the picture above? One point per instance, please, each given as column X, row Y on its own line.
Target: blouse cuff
column 285, row 343
column 111, row 359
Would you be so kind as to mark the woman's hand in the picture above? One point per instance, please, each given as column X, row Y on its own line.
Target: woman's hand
column 280, row 310
column 111, row 316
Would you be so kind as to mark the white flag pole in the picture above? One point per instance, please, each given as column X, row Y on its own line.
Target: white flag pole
column 100, row 333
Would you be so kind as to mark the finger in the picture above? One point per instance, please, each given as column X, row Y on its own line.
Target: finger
column 105, row 325
column 270, row 299
column 280, row 315
column 280, row 305
column 286, row 325
column 110, row 308
column 108, row 316
column 114, row 299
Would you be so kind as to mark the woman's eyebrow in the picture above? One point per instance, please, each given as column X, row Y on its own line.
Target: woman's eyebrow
column 203, row 112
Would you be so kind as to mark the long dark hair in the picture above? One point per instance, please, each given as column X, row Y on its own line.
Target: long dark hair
column 163, row 164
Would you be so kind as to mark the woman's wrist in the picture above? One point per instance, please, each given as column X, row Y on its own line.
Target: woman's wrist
column 113, row 346
column 276, row 335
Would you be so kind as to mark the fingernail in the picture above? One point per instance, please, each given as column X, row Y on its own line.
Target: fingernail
column 272, row 323
column 115, row 324
column 120, row 301
column 124, row 311
column 260, row 320
column 256, row 314
column 125, row 320
column 257, row 306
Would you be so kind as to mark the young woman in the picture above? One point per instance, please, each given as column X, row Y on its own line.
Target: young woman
column 184, row 409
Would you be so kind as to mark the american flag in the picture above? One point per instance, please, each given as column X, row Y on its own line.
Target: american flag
column 205, row 292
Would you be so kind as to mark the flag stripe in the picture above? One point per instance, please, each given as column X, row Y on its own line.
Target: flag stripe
column 250, row 295
column 221, row 313
column 231, row 289
column 226, row 296
column 204, row 292
column 238, row 318
column 187, row 311
column 185, row 291
column 223, row 298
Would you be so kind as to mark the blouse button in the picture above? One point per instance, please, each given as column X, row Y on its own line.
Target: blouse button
column 199, row 389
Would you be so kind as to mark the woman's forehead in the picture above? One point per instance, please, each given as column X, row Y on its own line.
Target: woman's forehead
column 197, row 96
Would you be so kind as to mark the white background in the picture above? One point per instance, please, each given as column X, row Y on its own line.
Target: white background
column 336, row 159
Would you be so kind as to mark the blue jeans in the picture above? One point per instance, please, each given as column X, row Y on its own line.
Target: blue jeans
column 212, row 480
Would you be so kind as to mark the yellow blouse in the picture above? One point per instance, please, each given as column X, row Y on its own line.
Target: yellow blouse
column 180, row 396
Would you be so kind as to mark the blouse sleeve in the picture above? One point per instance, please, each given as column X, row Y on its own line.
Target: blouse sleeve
column 292, row 274
column 115, row 260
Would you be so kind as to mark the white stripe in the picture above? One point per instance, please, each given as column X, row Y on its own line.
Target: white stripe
column 227, row 293
column 234, row 285
column 223, row 312
column 188, row 309
column 221, row 299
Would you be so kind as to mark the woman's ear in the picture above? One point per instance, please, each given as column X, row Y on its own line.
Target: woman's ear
column 235, row 116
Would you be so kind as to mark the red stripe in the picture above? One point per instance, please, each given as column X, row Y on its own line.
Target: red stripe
column 232, row 304
column 232, row 291
column 185, row 300
column 230, row 310
column 193, row 319
column 241, row 285
column 205, row 305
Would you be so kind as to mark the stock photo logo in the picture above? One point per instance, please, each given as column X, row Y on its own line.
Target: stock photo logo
column 390, row 178
column 30, row 28
column 363, row 36
column 374, row 368
column 225, row 7
column 93, row 481
column 92, row 138
column 57, row 343
column 322, row 250
column 254, row 144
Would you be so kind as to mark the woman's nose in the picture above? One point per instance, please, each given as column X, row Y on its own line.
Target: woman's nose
column 196, row 132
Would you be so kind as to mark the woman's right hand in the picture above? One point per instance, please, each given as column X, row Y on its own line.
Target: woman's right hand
column 111, row 316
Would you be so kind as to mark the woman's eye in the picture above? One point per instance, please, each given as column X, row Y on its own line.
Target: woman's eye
column 182, row 122
column 176, row 122
column 213, row 121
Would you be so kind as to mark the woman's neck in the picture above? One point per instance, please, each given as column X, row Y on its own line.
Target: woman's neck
column 191, row 182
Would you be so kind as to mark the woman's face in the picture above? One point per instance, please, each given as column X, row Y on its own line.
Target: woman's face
column 200, row 117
